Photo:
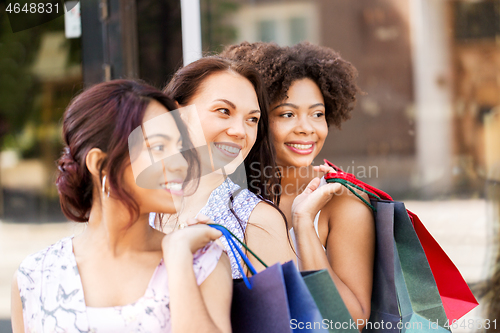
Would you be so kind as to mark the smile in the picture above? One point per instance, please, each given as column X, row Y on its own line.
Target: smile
column 173, row 187
column 297, row 146
column 303, row 149
column 228, row 149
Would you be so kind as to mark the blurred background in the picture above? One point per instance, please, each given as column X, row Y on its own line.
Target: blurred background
column 427, row 129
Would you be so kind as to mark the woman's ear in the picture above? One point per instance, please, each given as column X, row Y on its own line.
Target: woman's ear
column 93, row 160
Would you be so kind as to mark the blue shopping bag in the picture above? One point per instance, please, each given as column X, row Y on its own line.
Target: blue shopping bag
column 275, row 300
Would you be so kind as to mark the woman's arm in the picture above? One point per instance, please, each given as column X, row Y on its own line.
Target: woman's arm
column 216, row 291
column 350, row 244
column 16, row 308
column 194, row 308
column 267, row 236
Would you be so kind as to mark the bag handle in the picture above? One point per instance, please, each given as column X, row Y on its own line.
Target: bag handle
column 233, row 246
column 349, row 185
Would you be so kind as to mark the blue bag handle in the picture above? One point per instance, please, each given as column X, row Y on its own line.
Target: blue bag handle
column 231, row 240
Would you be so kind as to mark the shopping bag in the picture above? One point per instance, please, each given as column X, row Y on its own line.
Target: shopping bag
column 419, row 301
column 405, row 297
column 274, row 300
column 455, row 294
column 324, row 292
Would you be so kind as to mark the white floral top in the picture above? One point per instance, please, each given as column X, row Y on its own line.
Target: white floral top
column 53, row 301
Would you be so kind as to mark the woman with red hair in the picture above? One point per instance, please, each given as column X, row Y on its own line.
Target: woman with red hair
column 120, row 274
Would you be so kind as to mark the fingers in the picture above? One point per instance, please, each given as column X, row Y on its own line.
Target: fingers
column 202, row 218
column 329, row 190
column 325, row 168
column 198, row 219
column 313, row 185
column 323, row 194
column 214, row 233
column 331, row 187
column 203, row 229
column 192, row 238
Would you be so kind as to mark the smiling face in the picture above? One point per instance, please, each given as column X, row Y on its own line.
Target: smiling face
column 298, row 124
column 229, row 113
column 157, row 168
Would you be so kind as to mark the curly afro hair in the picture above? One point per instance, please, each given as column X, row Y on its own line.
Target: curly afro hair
column 281, row 66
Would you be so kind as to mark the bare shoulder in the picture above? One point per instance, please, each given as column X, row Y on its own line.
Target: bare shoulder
column 345, row 200
column 267, row 216
column 346, row 206
column 267, row 235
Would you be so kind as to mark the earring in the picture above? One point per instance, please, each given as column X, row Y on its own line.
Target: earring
column 104, row 185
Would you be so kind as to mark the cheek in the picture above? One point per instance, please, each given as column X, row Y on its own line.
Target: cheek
column 252, row 135
column 322, row 132
column 210, row 131
column 279, row 130
column 209, row 125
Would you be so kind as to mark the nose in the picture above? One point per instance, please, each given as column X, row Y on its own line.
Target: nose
column 237, row 129
column 304, row 126
column 177, row 164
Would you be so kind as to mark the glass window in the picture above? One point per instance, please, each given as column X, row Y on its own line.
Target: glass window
column 298, row 30
column 266, row 31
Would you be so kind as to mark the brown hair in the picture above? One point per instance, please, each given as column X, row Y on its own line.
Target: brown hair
column 186, row 83
column 103, row 117
column 281, row 66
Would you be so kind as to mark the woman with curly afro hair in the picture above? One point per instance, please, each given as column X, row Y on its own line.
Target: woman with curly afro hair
column 310, row 88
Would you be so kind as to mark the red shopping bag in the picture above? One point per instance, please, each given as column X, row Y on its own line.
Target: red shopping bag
column 455, row 294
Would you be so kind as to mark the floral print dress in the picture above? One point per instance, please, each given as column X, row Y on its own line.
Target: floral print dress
column 53, row 301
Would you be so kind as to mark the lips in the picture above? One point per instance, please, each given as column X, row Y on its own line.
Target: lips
column 301, row 147
column 228, row 148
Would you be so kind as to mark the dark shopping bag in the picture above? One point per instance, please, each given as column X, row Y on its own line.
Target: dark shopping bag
column 275, row 300
column 329, row 302
column 455, row 294
column 405, row 297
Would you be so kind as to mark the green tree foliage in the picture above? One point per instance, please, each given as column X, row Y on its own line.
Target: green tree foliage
column 216, row 27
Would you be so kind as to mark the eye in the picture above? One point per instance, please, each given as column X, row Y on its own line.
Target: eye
column 254, row 119
column 158, row 147
column 319, row 114
column 224, row 111
column 286, row 115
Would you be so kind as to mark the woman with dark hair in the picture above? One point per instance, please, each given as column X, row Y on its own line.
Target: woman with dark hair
column 232, row 108
column 311, row 88
column 120, row 274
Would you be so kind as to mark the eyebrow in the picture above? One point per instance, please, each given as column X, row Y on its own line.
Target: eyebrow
column 285, row 104
column 231, row 104
column 317, row 104
column 296, row 107
column 167, row 137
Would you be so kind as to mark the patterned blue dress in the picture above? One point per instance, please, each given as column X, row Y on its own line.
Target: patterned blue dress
column 218, row 209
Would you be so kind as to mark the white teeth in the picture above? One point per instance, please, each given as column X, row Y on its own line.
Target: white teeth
column 172, row 186
column 297, row 146
column 232, row 150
